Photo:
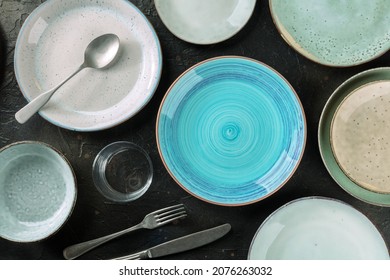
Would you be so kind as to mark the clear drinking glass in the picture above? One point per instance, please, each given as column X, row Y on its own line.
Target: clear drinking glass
column 122, row 171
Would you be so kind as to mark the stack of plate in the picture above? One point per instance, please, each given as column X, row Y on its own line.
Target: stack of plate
column 354, row 136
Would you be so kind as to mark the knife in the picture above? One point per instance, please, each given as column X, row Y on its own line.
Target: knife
column 181, row 244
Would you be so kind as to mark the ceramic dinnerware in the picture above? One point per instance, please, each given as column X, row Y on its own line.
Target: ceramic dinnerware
column 334, row 33
column 317, row 228
column 50, row 46
column 360, row 136
column 37, row 191
column 203, row 21
column 354, row 123
column 231, row 131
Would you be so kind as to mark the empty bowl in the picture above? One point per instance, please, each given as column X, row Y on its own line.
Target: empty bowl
column 37, row 191
column 122, row 171
column 50, row 46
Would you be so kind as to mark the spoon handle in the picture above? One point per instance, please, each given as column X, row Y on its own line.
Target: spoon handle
column 37, row 103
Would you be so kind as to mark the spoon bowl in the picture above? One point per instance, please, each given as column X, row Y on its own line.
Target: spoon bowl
column 100, row 53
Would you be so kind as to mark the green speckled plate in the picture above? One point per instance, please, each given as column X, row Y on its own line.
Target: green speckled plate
column 346, row 181
column 334, row 33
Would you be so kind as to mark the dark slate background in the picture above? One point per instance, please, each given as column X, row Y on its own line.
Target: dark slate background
column 94, row 216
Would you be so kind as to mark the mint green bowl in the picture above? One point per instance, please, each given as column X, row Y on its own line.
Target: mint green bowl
column 324, row 131
column 37, row 191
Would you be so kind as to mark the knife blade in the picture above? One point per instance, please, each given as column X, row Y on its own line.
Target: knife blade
column 181, row 244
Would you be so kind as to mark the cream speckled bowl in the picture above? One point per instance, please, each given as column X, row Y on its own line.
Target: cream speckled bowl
column 360, row 136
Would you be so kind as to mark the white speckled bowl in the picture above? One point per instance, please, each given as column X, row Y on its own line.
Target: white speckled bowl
column 37, row 191
column 51, row 44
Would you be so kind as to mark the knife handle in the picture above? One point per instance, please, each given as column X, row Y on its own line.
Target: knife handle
column 143, row 255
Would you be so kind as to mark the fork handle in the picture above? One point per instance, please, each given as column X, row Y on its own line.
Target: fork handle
column 77, row 250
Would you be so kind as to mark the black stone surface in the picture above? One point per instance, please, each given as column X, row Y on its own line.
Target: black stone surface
column 94, row 216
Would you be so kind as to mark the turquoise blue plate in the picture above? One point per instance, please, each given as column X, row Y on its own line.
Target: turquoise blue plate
column 231, row 131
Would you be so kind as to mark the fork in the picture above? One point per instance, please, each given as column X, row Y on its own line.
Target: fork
column 152, row 220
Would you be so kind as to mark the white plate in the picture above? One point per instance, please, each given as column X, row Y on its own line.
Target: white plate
column 204, row 21
column 317, row 228
column 51, row 45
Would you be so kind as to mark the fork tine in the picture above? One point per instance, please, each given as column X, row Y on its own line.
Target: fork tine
column 176, row 210
column 161, row 223
column 166, row 217
column 167, row 208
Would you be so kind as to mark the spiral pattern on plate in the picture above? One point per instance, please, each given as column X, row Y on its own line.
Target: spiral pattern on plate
column 231, row 131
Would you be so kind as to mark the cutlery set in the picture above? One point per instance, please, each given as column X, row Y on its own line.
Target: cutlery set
column 151, row 221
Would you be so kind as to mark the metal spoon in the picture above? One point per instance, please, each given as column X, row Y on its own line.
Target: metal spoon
column 99, row 54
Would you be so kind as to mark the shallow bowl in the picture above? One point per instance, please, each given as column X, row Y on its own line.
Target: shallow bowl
column 50, row 46
column 37, row 191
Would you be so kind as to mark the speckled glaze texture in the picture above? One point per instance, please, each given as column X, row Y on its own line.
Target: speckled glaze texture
column 37, row 191
column 231, row 131
column 51, row 46
column 334, row 33
column 360, row 136
column 316, row 228
column 205, row 21
column 366, row 192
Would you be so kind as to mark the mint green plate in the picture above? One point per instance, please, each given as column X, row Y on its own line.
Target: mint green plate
column 334, row 33
column 363, row 78
column 317, row 228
